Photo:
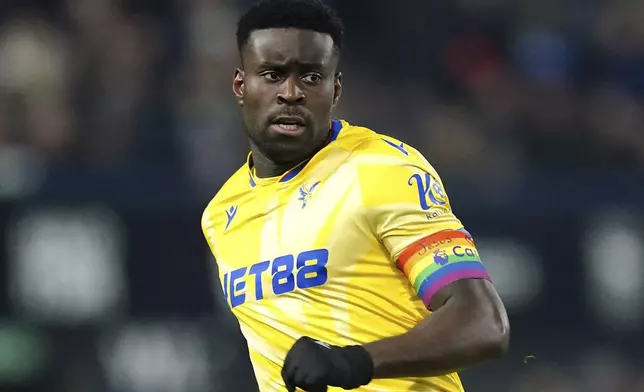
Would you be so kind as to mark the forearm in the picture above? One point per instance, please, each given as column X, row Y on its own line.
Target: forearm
column 454, row 337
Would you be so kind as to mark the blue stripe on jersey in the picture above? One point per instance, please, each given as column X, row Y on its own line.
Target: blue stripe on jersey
column 336, row 126
column 292, row 173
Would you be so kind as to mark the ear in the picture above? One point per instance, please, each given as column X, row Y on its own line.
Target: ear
column 337, row 88
column 238, row 85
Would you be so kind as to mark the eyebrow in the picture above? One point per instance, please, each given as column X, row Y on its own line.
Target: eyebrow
column 284, row 64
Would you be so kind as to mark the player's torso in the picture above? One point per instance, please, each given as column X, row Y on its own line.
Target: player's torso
column 296, row 258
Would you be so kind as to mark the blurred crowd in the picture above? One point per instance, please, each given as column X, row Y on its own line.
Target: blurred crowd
column 130, row 102
column 101, row 90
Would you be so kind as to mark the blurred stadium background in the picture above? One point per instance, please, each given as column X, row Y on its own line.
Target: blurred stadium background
column 117, row 124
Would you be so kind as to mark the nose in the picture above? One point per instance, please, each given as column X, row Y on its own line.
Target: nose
column 291, row 93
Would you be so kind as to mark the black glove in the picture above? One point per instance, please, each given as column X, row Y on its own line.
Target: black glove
column 313, row 365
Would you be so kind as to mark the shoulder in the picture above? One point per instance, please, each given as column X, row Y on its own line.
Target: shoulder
column 233, row 188
column 390, row 172
column 371, row 152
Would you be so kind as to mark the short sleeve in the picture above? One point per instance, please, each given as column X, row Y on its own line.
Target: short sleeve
column 408, row 210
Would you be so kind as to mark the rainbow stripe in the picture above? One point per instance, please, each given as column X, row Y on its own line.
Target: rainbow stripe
column 440, row 259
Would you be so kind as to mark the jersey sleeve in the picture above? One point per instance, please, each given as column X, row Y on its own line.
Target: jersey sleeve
column 408, row 210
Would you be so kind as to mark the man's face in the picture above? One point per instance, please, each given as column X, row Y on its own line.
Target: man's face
column 287, row 89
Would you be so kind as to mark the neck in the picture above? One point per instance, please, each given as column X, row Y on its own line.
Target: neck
column 266, row 168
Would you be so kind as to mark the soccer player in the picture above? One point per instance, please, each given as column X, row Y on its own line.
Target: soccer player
column 337, row 247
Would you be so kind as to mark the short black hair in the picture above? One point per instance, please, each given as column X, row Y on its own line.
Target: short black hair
column 313, row 15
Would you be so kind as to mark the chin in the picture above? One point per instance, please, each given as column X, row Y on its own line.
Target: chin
column 287, row 149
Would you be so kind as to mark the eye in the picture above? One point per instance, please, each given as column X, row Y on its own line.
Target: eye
column 271, row 76
column 312, row 79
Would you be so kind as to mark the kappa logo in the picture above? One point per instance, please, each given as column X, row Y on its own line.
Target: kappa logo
column 230, row 215
column 306, row 192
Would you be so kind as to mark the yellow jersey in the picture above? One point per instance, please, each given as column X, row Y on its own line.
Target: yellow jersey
column 347, row 248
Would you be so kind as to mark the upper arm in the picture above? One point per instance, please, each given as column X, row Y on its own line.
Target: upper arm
column 408, row 210
column 476, row 300
column 474, row 293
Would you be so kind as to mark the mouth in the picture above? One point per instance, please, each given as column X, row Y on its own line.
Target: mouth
column 288, row 125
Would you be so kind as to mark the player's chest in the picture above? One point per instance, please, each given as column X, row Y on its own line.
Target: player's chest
column 297, row 240
column 305, row 215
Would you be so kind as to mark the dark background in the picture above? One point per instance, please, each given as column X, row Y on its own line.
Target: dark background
column 117, row 124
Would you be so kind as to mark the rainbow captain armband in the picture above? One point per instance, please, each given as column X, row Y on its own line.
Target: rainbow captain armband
column 440, row 259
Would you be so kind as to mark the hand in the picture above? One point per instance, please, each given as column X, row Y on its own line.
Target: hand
column 313, row 366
